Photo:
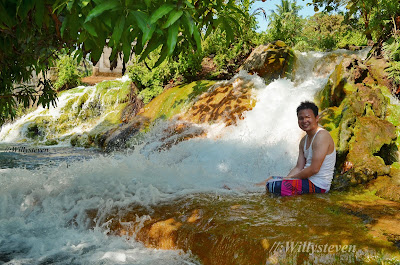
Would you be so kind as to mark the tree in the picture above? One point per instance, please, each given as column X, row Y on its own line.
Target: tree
column 32, row 31
column 378, row 16
column 285, row 23
column 323, row 31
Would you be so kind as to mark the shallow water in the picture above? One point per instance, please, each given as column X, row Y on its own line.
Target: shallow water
column 33, row 157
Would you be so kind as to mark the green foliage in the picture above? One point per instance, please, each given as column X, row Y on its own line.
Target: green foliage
column 68, row 75
column 168, row 25
column 286, row 24
column 31, row 32
column 228, row 56
column 150, row 80
column 392, row 53
column 352, row 37
column 323, row 31
column 150, row 77
column 392, row 49
column 27, row 42
column 377, row 16
column 188, row 65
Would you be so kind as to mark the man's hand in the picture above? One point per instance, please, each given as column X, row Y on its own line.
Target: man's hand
column 263, row 183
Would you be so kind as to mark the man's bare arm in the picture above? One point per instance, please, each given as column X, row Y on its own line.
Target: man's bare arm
column 301, row 161
column 320, row 149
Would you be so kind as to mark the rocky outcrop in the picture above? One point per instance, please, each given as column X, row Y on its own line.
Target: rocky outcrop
column 200, row 102
column 356, row 110
column 271, row 61
column 223, row 103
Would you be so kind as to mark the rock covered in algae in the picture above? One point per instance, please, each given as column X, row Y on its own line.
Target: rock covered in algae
column 165, row 106
column 224, row 102
column 356, row 109
column 271, row 61
column 200, row 102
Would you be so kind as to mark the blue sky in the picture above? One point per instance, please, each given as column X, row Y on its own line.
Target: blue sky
column 269, row 5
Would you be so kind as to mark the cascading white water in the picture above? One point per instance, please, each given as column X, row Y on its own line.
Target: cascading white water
column 82, row 108
column 43, row 216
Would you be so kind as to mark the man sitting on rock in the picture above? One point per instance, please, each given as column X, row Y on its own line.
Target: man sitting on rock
column 313, row 172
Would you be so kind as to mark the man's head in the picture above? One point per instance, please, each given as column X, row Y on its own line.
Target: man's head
column 308, row 105
column 307, row 116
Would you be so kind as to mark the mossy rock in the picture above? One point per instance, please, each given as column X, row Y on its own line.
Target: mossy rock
column 376, row 67
column 370, row 135
column 223, row 103
column 356, row 110
column 51, row 142
column 166, row 105
column 81, row 140
column 272, row 61
column 386, row 187
column 113, row 91
column 36, row 130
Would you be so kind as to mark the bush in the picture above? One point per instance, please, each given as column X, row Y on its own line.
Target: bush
column 353, row 37
column 303, row 46
column 151, row 80
column 229, row 56
column 188, row 66
column 68, row 74
column 321, row 32
column 392, row 53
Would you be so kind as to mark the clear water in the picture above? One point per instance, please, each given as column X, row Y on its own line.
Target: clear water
column 44, row 197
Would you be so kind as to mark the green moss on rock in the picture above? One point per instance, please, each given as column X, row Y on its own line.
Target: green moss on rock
column 356, row 110
column 271, row 61
column 174, row 100
column 51, row 142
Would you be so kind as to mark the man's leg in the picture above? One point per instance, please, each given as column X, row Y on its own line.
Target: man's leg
column 290, row 187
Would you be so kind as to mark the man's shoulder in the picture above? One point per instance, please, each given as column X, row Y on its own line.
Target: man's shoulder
column 303, row 139
column 324, row 133
column 323, row 136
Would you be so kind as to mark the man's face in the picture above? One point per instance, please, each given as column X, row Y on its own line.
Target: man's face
column 307, row 120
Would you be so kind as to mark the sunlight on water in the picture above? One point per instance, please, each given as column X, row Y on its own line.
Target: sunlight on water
column 43, row 211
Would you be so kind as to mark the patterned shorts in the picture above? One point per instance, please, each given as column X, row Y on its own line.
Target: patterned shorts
column 289, row 187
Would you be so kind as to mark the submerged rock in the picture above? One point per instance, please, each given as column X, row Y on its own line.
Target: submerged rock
column 253, row 229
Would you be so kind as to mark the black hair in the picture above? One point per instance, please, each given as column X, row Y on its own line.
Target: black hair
column 308, row 105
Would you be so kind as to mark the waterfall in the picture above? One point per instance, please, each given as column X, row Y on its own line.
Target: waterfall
column 44, row 210
column 78, row 110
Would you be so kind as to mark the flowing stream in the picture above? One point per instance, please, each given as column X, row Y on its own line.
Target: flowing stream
column 45, row 196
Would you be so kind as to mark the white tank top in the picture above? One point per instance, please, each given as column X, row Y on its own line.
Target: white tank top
column 323, row 178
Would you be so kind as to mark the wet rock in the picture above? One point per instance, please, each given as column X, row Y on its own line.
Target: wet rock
column 165, row 106
column 223, row 103
column 116, row 139
column 204, row 103
column 381, row 217
column 326, row 64
column 270, row 61
column 386, row 187
column 356, row 110
column 135, row 104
